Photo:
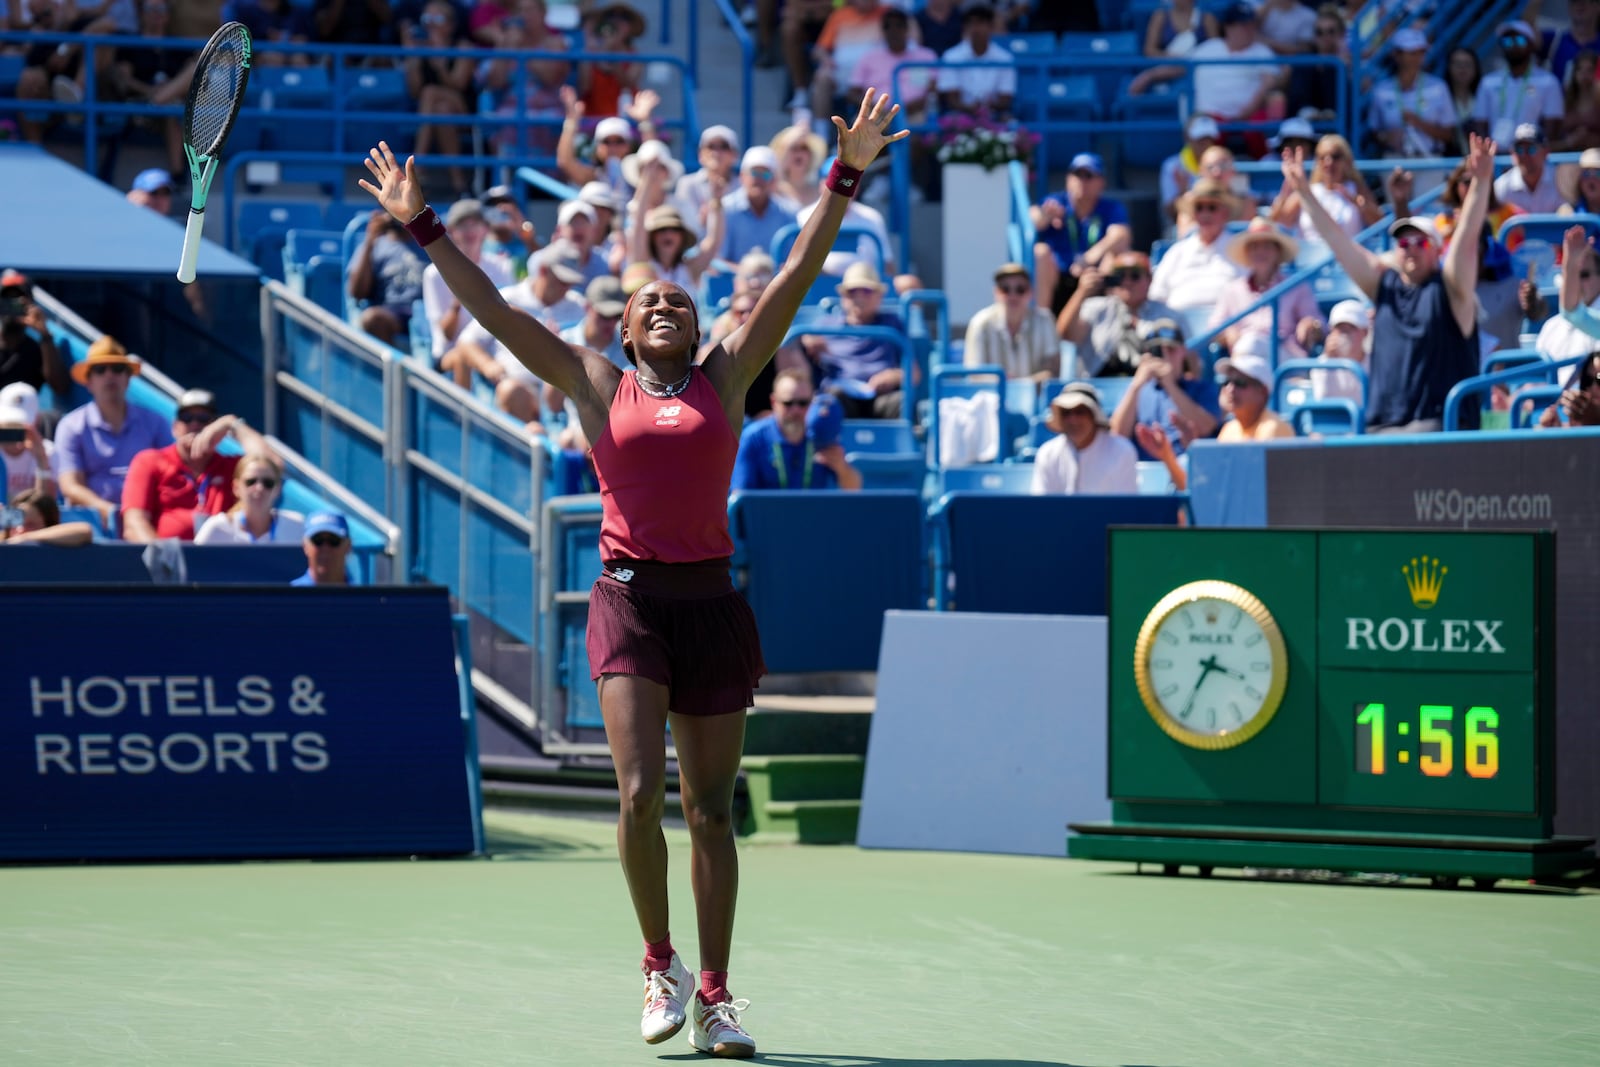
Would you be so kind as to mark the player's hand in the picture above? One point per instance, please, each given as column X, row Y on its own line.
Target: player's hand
column 1294, row 171
column 399, row 190
column 862, row 140
column 1480, row 158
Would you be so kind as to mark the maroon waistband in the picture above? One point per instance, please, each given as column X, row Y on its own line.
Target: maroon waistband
column 700, row 580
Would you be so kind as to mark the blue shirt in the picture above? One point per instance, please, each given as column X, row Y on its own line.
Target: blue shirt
column 857, row 359
column 1155, row 406
column 86, row 443
column 745, row 231
column 768, row 460
column 1076, row 236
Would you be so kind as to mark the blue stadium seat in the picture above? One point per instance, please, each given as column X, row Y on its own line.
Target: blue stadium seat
column 1506, row 358
column 1101, row 46
column 1030, row 45
column 301, row 89
column 987, row 478
column 1162, row 104
column 1069, row 98
column 322, row 282
column 879, row 436
column 890, row 470
column 284, row 215
column 301, row 245
column 1329, row 417
column 1529, row 402
column 377, row 89
column 10, row 71
column 1154, row 478
column 338, row 213
column 949, row 383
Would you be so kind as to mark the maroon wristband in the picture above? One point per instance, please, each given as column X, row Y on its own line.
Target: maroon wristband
column 426, row 227
column 842, row 179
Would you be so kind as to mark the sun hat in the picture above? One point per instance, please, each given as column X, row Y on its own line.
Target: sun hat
column 1261, row 229
column 107, row 351
column 651, row 152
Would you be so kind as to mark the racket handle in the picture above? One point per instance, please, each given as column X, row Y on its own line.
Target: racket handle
column 191, row 245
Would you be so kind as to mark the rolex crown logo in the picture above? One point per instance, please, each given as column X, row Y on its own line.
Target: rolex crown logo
column 1211, row 616
column 1424, row 576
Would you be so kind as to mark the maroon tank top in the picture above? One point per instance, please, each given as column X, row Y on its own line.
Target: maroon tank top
column 664, row 467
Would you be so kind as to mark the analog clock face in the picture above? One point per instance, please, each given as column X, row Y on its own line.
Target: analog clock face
column 1210, row 664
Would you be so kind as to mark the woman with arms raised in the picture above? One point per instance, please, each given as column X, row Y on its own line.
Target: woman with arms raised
column 670, row 639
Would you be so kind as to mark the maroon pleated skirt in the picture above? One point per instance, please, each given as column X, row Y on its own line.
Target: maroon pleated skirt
column 681, row 625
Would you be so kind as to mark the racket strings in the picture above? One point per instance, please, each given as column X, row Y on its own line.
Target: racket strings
column 217, row 85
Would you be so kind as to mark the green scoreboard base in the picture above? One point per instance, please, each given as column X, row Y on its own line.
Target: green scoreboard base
column 1424, row 855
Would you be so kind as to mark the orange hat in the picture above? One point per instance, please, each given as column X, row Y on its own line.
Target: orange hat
column 107, row 351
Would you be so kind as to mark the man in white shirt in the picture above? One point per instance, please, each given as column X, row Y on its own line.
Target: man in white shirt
column 446, row 317
column 1014, row 332
column 969, row 88
column 1530, row 185
column 1411, row 114
column 1084, row 456
column 1194, row 270
column 1520, row 92
column 1237, row 91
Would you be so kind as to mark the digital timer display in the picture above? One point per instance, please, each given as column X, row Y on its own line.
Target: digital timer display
column 1385, row 740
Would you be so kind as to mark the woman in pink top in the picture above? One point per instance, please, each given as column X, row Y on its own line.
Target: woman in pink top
column 670, row 640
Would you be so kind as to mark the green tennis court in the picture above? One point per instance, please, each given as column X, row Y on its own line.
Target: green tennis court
column 849, row 957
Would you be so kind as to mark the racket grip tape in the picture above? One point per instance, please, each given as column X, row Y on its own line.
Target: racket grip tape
column 191, row 245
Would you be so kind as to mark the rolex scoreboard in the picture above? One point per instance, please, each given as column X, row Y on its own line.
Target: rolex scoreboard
column 1342, row 700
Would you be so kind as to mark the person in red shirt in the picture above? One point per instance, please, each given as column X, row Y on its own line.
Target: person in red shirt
column 170, row 491
column 670, row 640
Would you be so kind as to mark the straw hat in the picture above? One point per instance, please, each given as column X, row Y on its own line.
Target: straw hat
column 666, row 217
column 813, row 142
column 106, row 352
column 861, row 275
column 1261, row 229
column 1081, row 395
column 610, row 10
column 1209, row 189
column 1567, row 174
column 651, row 152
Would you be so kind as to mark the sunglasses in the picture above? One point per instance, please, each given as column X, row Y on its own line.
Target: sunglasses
column 1511, row 40
column 109, row 368
column 327, row 541
column 1128, row 274
column 797, row 402
column 613, row 140
column 1161, row 342
column 1013, row 290
column 1332, row 156
column 1205, row 207
column 1084, row 175
column 720, row 146
column 1589, row 174
column 269, row 483
column 1527, row 148
column 1413, row 241
column 1240, row 383
column 761, row 174
column 195, row 418
column 860, row 294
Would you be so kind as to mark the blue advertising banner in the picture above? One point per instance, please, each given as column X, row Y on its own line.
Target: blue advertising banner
column 153, row 722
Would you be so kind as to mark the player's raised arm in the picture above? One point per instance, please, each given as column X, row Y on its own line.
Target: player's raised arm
column 399, row 192
column 752, row 345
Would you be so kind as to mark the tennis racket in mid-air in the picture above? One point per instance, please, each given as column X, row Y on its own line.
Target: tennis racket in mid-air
column 215, row 95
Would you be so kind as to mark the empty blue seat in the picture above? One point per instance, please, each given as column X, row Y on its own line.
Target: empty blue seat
column 878, row 436
column 378, row 89
column 987, row 478
column 1031, row 45
column 300, row 245
column 1149, row 147
column 1070, row 98
column 284, row 215
column 10, row 71
column 1529, row 402
column 1329, row 417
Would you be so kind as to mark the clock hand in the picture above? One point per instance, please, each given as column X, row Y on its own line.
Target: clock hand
column 1209, row 665
column 1229, row 672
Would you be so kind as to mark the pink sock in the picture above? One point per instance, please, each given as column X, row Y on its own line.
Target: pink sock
column 658, row 954
column 714, row 986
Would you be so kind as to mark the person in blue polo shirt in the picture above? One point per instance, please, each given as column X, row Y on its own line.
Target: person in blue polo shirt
column 797, row 446
column 1076, row 230
column 327, row 545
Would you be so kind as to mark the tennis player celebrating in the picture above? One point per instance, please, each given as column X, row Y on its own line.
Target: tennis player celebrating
column 670, row 639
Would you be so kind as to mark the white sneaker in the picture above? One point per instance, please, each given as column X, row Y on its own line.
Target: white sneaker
column 715, row 1028
column 800, row 98
column 664, row 995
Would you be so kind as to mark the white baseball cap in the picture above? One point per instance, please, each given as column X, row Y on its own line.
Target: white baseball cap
column 759, row 155
column 1204, row 126
column 570, row 209
column 719, row 133
column 19, row 405
column 613, row 127
column 1350, row 313
column 1251, row 357
column 1421, row 223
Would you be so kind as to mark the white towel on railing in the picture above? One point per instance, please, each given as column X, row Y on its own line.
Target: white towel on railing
column 969, row 429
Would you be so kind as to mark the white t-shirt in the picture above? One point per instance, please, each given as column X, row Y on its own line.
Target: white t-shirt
column 1294, row 25
column 862, row 217
column 1505, row 101
column 555, row 317
column 1512, row 189
column 979, row 85
column 1227, row 89
column 1428, row 98
column 1342, row 209
column 227, row 528
column 1108, row 465
column 1560, row 339
column 437, row 298
column 1191, row 274
column 22, row 472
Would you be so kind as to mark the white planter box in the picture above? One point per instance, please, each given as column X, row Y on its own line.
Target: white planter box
column 977, row 207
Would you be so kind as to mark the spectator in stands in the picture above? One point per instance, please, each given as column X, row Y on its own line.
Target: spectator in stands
column 446, row 317
column 1180, row 171
column 154, row 75
column 664, row 242
column 599, row 331
column 939, row 25
column 278, row 21
column 1425, row 327
column 1194, row 270
column 864, row 373
column 1172, row 32
column 1338, row 186
column 612, row 145
column 719, row 147
column 1582, row 34
column 1529, row 185
column 1579, row 405
column 547, row 296
column 27, row 349
column 803, row 21
column 989, row 88
column 853, row 29
column 1217, row 164
column 170, row 491
column 1312, row 90
column 353, row 22
column 609, row 27
column 1109, row 314
column 35, row 519
column 1463, row 73
column 652, row 164
column 525, row 28
column 152, row 188
column 327, row 545
column 1410, row 114
column 1263, row 252
column 1165, row 385
column 52, row 70
column 1580, row 185
column 876, row 249
column 1237, row 92
column 797, row 446
column 800, row 154
column 754, row 214
column 439, row 84
column 254, row 518
column 579, row 224
column 96, row 443
column 512, row 238
column 1246, row 376
column 914, row 87
column 1349, row 325
column 1076, row 230
column 1519, row 93
column 1401, row 186
column 1577, row 329
column 607, row 210
column 1288, row 27
column 28, row 458
column 386, row 274
column 1084, row 456
column 1580, row 122
column 1014, row 332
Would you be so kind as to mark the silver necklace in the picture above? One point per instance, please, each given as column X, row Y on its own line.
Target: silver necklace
column 666, row 391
